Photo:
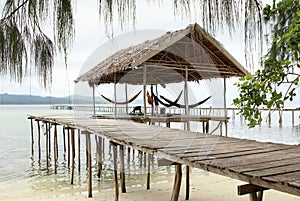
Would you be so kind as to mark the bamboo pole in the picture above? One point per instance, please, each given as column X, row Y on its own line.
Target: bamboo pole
column 126, row 97
column 187, row 112
column 115, row 172
column 225, row 108
column 122, row 169
column 94, row 101
column 47, row 147
column 78, row 140
column 73, row 155
column 145, row 90
column 89, row 164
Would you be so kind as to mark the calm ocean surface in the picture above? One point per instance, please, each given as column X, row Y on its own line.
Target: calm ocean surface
column 20, row 172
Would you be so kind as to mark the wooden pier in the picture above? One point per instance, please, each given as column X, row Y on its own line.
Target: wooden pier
column 262, row 165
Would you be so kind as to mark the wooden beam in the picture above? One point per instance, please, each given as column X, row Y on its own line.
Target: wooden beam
column 164, row 162
column 249, row 188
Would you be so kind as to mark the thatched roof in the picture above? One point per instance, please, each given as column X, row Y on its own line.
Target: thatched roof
column 167, row 59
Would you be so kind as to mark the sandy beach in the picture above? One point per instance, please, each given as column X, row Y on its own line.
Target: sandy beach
column 204, row 186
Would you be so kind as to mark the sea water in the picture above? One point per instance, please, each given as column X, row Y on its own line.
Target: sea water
column 21, row 173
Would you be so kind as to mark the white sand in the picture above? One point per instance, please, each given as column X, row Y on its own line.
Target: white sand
column 204, row 186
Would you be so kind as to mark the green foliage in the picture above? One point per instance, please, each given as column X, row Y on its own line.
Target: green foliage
column 281, row 65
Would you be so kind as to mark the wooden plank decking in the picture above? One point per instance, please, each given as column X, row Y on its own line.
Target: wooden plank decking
column 269, row 165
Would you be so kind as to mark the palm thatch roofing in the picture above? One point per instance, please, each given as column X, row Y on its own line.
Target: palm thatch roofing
column 190, row 53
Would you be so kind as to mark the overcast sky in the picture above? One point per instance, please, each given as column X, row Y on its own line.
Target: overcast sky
column 90, row 34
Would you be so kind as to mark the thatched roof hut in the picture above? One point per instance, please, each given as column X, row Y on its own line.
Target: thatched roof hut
column 190, row 53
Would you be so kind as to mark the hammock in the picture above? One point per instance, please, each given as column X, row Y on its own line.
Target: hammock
column 122, row 103
column 183, row 106
column 165, row 104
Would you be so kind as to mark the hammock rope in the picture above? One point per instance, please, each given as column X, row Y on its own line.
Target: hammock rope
column 122, row 103
column 183, row 106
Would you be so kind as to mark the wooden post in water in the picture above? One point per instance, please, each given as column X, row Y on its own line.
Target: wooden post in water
column 177, row 183
column 149, row 171
column 99, row 154
column 73, row 155
column 39, row 139
column 64, row 139
column 115, row 171
column 55, row 148
column 69, row 149
column 89, row 163
column 122, row 169
column 280, row 117
column 293, row 118
column 32, row 137
column 49, row 136
column 78, row 140
column 47, row 146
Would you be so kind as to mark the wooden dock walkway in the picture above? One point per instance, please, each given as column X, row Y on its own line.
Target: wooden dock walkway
column 264, row 165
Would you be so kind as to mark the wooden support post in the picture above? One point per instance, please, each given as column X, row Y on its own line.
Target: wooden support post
column 293, row 118
column 115, row 172
column 32, row 137
column 122, row 169
column 225, row 108
column 89, row 163
column 64, row 139
column 49, row 136
column 55, row 148
column 187, row 185
column 47, row 147
column 145, row 91
column 145, row 160
column 73, row 155
column 177, row 183
column 78, row 140
column 149, row 171
column 99, row 154
column 128, row 156
column 69, row 154
column 39, row 139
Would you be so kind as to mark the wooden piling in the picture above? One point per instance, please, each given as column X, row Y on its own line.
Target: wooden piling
column 39, row 139
column 187, row 184
column 115, row 172
column 89, row 164
column 69, row 154
column 73, row 155
column 55, row 149
column 32, row 137
column 78, row 141
column 49, row 136
column 149, row 171
column 47, row 146
column 177, row 183
column 99, row 154
column 64, row 139
column 122, row 169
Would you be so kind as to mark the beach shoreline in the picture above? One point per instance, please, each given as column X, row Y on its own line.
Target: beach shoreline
column 204, row 186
